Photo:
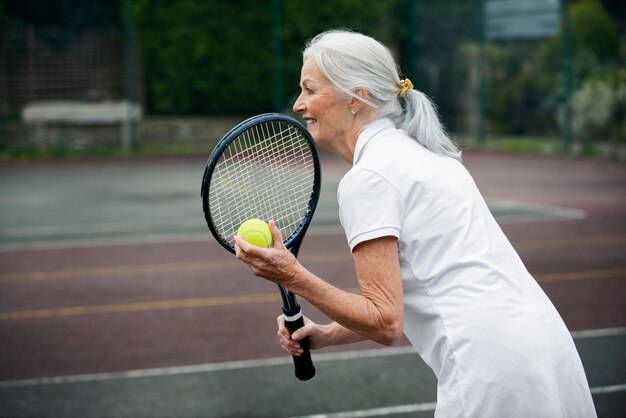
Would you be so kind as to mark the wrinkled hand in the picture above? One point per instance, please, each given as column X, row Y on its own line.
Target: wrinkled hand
column 289, row 342
column 276, row 263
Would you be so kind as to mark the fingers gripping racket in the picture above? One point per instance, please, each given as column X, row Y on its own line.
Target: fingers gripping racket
column 265, row 168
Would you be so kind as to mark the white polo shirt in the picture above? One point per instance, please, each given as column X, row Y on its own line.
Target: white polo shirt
column 472, row 311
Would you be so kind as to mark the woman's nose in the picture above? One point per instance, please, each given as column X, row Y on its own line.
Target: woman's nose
column 298, row 106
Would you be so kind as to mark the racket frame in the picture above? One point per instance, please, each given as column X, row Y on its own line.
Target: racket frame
column 293, row 241
column 292, row 311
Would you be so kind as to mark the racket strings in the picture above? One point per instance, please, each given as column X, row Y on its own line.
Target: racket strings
column 242, row 177
column 267, row 172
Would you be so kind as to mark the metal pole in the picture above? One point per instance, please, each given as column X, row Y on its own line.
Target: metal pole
column 567, row 79
column 277, row 50
column 411, row 45
column 129, row 58
column 480, row 57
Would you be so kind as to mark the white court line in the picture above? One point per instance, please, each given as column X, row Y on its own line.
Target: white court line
column 152, row 238
column 608, row 389
column 245, row 364
column 164, row 238
column 377, row 412
column 325, row 222
column 542, row 209
column 425, row 407
column 43, row 231
column 203, row 368
column 597, row 333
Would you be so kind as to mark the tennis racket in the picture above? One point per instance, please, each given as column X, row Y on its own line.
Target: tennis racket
column 265, row 168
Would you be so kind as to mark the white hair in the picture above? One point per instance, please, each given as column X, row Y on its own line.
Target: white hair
column 353, row 61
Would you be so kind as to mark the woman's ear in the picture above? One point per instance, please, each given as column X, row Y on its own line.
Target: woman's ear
column 355, row 104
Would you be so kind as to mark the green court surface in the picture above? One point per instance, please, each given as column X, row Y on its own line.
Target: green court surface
column 390, row 382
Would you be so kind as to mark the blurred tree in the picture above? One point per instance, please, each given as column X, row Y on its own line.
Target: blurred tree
column 596, row 59
column 516, row 89
column 600, row 108
column 593, row 30
column 216, row 57
column 203, row 56
column 524, row 78
column 595, row 41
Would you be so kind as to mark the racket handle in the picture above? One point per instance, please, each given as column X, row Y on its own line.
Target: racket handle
column 303, row 363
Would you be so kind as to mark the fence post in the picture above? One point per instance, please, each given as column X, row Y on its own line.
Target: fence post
column 129, row 139
column 479, row 11
column 567, row 79
column 411, row 44
column 277, row 50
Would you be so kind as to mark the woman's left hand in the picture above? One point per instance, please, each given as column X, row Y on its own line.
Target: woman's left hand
column 276, row 263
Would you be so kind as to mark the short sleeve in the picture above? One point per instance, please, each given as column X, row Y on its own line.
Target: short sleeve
column 369, row 207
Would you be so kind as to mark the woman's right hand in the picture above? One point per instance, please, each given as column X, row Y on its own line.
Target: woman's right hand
column 289, row 342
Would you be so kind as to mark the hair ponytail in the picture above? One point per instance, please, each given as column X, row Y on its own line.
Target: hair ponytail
column 422, row 123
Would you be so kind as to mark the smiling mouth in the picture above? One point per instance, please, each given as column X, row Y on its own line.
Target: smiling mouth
column 310, row 122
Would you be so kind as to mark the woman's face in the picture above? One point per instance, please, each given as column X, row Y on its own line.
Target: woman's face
column 328, row 117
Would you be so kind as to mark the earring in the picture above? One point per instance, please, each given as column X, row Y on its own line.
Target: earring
column 353, row 112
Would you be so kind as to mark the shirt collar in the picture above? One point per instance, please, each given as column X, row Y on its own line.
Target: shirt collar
column 369, row 131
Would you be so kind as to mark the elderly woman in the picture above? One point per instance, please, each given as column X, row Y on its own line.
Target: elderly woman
column 430, row 259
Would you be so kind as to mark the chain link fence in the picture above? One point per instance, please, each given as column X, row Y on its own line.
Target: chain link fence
column 129, row 74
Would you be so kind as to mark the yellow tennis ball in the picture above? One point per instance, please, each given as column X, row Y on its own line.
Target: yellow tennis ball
column 256, row 232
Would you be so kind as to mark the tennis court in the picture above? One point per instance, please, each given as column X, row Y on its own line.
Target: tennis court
column 121, row 305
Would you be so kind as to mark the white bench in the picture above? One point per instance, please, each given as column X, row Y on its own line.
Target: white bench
column 79, row 113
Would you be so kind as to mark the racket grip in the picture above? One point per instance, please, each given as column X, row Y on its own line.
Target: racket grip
column 303, row 363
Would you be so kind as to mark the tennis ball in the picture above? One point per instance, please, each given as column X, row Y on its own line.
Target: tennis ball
column 256, row 232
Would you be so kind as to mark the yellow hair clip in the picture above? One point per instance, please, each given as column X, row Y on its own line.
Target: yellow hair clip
column 406, row 85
